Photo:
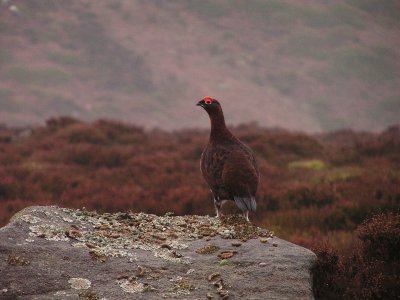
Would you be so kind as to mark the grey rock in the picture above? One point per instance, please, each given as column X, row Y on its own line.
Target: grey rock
column 47, row 252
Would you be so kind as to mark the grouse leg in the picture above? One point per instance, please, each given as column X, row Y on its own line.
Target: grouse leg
column 218, row 207
column 246, row 215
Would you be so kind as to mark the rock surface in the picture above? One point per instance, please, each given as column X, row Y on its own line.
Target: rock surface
column 57, row 253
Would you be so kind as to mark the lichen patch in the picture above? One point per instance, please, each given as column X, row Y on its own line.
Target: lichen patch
column 88, row 295
column 14, row 260
column 30, row 219
column 180, row 287
column 171, row 256
column 118, row 235
column 48, row 231
column 131, row 286
column 209, row 249
column 183, row 285
column 79, row 283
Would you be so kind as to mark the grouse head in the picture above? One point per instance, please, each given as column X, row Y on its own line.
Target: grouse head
column 211, row 105
column 214, row 110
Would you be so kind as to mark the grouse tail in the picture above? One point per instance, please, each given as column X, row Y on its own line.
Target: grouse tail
column 246, row 203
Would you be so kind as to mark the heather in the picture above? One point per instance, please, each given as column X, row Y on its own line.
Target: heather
column 337, row 193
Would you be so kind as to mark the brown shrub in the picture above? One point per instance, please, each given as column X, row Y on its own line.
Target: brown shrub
column 381, row 237
column 311, row 197
column 327, row 282
column 370, row 271
column 110, row 166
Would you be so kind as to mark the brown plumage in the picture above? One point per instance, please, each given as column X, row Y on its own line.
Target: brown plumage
column 228, row 166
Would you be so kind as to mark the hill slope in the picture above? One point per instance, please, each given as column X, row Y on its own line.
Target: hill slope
column 295, row 64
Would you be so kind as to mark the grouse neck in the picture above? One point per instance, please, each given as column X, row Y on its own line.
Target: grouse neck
column 218, row 127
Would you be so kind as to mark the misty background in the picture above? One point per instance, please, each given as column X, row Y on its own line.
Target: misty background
column 311, row 65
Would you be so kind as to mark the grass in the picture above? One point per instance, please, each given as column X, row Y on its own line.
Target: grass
column 49, row 103
column 370, row 66
column 284, row 12
column 306, row 45
column 207, row 8
column 38, row 7
column 5, row 28
column 46, row 104
column 284, row 81
column 386, row 111
column 40, row 76
column 313, row 164
column 32, row 166
column 317, row 45
column 215, row 49
column 117, row 6
column 7, row 102
column 115, row 65
column 384, row 8
column 228, row 35
column 321, row 111
column 373, row 66
column 338, row 174
column 105, row 99
column 107, row 110
column 267, row 9
column 346, row 15
column 391, row 104
column 5, row 56
column 342, row 174
column 317, row 18
column 275, row 17
column 60, row 105
column 64, row 58
column 334, row 15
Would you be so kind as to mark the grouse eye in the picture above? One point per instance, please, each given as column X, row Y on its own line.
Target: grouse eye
column 208, row 102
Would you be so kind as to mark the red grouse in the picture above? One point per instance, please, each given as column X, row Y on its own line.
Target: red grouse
column 228, row 166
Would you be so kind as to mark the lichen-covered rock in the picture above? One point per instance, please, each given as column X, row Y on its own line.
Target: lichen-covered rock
column 57, row 253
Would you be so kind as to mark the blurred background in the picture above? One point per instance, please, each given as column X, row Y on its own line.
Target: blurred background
column 97, row 110
column 310, row 65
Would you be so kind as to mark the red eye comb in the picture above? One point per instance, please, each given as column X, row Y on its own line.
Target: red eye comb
column 209, row 99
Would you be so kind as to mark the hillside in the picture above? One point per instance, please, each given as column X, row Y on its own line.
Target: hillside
column 311, row 65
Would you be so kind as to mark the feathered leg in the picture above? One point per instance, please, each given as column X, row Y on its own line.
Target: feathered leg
column 246, row 215
column 218, row 207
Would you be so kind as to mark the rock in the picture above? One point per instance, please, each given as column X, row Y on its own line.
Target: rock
column 58, row 253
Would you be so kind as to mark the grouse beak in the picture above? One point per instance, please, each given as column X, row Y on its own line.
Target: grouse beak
column 200, row 103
